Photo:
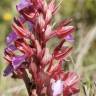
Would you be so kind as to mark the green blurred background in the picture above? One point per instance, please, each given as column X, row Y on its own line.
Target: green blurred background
column 83, row 13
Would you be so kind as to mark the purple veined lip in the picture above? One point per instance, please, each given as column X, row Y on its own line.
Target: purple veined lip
column 17, row 61
column 9, row 69
column 23, row 4
column 11, row 37
column 10, row 48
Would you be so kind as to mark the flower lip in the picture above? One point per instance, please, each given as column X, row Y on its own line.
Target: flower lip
column 11, row 37
column 23, row 4
column 17, row 61
column 9, row 50
column 8, row 70
column 57, row 87
column 11, row 47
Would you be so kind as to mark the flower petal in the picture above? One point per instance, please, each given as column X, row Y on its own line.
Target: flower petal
column 11, row 47
column 71, row 80
column 57, row 87
column 64, row 31
column 17, row 61
column 19, row 30
column 52, row 6
column 48, row 31
column 47, row 57
column 11, row 37
column 23, row 4
column 62, row 53
column 9, row 69
column 9, row 50
column 65, row 22
column 69, row 38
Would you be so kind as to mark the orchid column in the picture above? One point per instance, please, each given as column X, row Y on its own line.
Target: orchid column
column 27, row 51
